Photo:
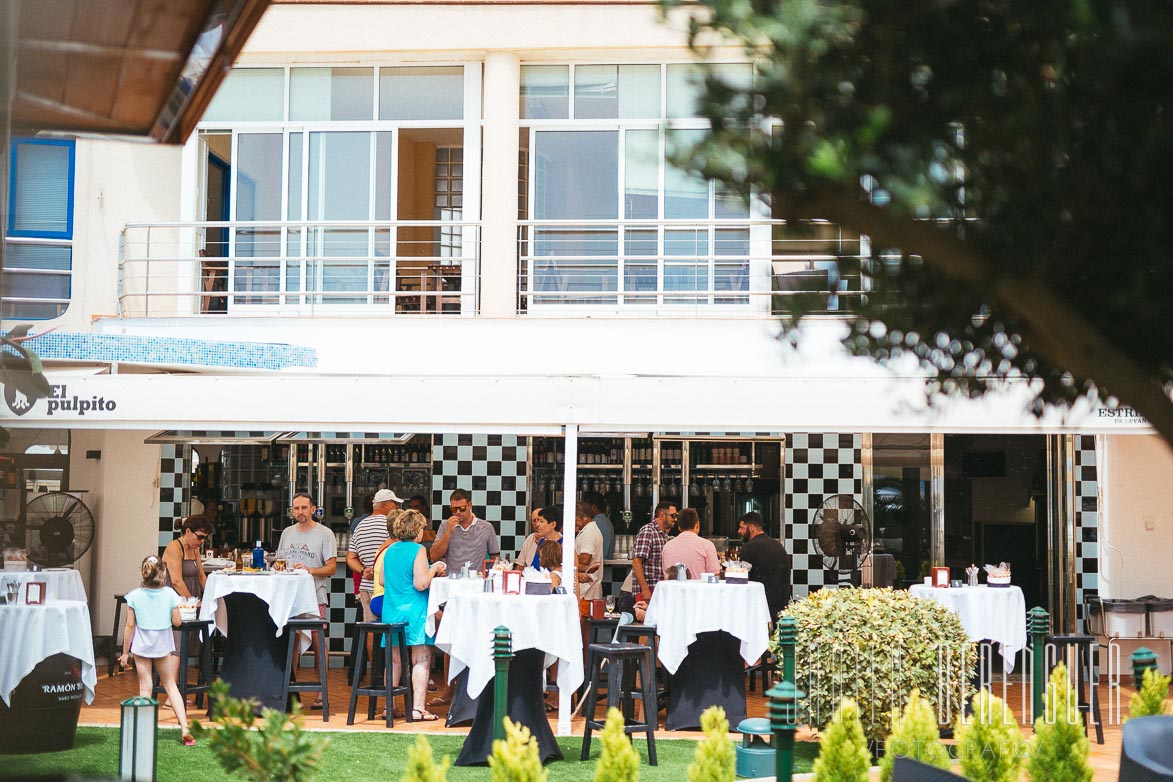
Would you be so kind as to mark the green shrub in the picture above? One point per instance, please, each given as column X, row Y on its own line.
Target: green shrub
column 989, row 743
column 618, row 760
column 1149, row 700
column 876, row 646
column 843, row 749
column 714, row 760
column 1059, row 748
column 421, row 767
column 278, row 750
column 914, row 735
column 516, row 758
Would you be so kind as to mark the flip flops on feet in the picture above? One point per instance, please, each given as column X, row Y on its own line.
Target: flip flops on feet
column 188, row 740
column 423, row 716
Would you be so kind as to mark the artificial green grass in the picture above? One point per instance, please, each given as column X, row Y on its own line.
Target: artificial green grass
column 348, row 756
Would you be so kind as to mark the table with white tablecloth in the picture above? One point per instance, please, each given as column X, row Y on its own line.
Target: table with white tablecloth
column 60, row 583
column 441, row 589
column 50, row 648
column 544, row 629
column 987, row 613
column 251, row 610
column 705, row 632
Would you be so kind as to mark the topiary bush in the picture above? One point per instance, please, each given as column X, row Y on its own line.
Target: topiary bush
column 1149, row 700
column 421, row 766
column 843, row 750
column 618, row 760
column 516, row 758
column 914, row 735
column 990, row 746
column 714, row 760
column 876, row 646
column 1059, row 748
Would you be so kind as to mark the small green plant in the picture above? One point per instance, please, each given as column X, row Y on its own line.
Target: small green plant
column 843, row 748
column 618, row 760
column 714, row 760
column 1059, row 748
column 914, row 735
column 280, row 749
column 989, row 743
column 421, row 767
column 1149, row 700
column 516, row 758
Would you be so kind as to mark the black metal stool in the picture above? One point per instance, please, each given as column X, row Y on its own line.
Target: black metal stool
column 646, row 634
column 381, row 671
column 765, row 669
column 189, row 632
column 618, row 656
column 1082, row 653
column 115, row 647
column 321, row 627
column 601, row 631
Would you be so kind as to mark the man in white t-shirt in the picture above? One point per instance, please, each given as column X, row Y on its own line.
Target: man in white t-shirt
column 588, row 548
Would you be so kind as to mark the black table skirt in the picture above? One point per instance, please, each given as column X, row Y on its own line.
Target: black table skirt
column 462, row 708
column 713, row 674
column 44, row 708
column 526, row 705
column 254, row 654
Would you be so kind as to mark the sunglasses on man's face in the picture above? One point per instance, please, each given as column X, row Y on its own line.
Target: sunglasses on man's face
column 455, row 509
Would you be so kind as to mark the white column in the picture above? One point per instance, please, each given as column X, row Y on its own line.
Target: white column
column 498, row 258
column 570, row 482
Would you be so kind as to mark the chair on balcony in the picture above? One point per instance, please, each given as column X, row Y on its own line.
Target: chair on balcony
column 1146, row 750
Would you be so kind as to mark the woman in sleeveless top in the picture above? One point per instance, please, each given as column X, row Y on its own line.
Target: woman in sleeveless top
column 406, row 578
column 183, row 564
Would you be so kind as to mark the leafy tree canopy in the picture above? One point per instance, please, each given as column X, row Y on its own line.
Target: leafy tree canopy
column 1020, row 156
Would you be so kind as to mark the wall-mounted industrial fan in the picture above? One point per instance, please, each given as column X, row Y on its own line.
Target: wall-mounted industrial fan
column 59, row 528
column 842, row 534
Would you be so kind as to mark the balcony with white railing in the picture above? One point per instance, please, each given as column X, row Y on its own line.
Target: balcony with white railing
column 346, row 268
column 687, row 268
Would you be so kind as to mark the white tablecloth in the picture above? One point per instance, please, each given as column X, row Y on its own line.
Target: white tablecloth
column 288, row 595
column 60, row 583
column 995, row 614
column 545, row 622
column 680, row 610
column 442, row 589
column 29, row 634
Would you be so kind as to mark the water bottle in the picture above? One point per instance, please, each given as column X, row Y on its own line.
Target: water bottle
column 258, row 557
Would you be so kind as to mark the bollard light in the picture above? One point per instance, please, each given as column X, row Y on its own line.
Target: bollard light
column 137, row 760
column 783, row 711
column 1142, row 659
column 502, row 654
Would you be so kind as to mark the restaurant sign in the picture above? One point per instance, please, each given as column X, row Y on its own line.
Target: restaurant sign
column 58, row 401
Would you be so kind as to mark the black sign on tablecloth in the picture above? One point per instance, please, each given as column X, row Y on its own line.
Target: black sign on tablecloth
column 525, row 705
column 713, row 674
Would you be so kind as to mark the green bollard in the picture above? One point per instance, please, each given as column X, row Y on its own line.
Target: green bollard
column 783, row 710
column 502, row 654
column 1038, row 622
column 1142, row 659
column 787, row 638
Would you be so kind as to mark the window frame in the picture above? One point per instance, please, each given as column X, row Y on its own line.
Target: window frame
column 10, row 229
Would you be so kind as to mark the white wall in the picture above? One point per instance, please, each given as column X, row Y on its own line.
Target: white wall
column 1136, row 517
column 122, row 490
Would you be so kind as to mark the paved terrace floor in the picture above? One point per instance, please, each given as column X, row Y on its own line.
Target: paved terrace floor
column 104, row 711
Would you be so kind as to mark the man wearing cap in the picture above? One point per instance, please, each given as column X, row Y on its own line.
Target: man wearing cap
column 463, row 537
column 368, row 537
column 769, row 562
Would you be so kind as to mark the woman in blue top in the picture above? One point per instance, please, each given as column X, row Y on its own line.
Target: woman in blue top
column 406, row 578
column 151, row 611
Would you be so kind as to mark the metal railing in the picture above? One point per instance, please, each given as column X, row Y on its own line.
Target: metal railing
column 702, row 268
column 177, row 269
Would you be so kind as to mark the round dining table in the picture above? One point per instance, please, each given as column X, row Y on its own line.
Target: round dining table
column 987, row 613
column 61, row 583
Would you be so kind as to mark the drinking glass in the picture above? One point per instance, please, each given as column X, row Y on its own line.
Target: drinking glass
column 11, row 590
column 610, row 604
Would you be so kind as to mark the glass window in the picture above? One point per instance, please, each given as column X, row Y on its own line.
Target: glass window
column 42, row 189
column 258, row 176
column 256, row 94
column 641, row 174
column 686, row 83
column 340, row 176
column 37, row 280
column 545, row 91
column 609, row 91
column 639, row 91
column 331, row 93
column 576, row 175
column 421, row 93
column 686, row 195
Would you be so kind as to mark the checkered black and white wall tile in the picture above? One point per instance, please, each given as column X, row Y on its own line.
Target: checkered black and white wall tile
column 1087, row 511
column 174, row 487
column 492, row 468
column 817, row 466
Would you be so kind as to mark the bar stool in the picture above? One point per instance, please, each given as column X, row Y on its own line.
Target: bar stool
column 115, row 647
column 601, row 631
column 1082, row 654
column 618, row 657
column 381, row 671
column 191, row 633
column 321, row 627
column 764, row 669
column 646, row 634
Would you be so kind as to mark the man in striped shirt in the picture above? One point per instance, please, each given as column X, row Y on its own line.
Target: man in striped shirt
column 368, row 538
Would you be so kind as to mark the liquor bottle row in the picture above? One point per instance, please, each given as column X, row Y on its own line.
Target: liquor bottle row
column 605, row 452
column 406, row 453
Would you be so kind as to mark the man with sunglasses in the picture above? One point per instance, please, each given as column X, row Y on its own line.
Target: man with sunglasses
column 463, row 537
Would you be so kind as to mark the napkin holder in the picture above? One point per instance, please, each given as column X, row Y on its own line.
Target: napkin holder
column 539, row 587
column 737, row 573
column 941, row 577
column 510, row 582
column 34, row 593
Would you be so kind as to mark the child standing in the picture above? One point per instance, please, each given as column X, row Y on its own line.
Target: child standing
column 152, row 609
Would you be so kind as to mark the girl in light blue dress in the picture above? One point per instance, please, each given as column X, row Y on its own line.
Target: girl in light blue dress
column 406, row 578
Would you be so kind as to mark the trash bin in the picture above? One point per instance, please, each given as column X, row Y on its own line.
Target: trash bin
column 1124, row 618
column 42, row 713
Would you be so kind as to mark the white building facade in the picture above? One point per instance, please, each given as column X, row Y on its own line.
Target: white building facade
column 442, row 246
